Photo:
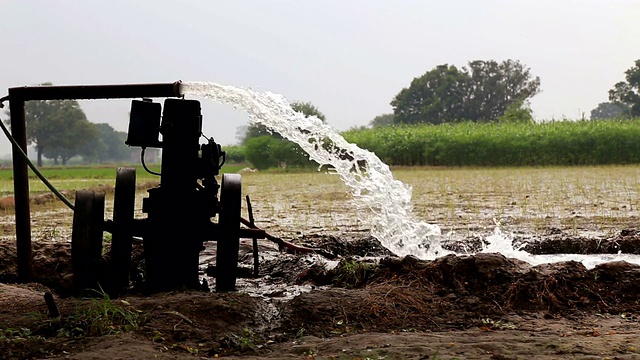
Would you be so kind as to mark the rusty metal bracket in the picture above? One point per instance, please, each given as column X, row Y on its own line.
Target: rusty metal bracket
column 254, row 240
column 283, row 245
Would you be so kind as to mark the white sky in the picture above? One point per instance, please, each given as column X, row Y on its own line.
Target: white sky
column 347, row 57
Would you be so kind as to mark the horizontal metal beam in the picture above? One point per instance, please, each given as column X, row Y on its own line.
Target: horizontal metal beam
column 86, row 92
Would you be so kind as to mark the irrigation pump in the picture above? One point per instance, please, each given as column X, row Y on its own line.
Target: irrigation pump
column 188, row 208
column 180, row 209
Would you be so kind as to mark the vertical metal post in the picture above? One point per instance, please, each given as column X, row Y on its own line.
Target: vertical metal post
column 21, row 189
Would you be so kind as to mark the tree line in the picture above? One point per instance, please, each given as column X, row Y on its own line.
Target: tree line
column 488, row 91
column 481, row 92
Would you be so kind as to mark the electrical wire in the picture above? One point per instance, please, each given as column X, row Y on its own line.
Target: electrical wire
column 144, row 165
column 35, row 169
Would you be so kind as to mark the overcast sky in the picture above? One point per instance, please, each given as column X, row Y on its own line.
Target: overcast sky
column 348, row 57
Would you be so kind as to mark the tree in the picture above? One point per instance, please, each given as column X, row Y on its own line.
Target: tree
column 241, row 133
column 628, row 92
column 69, row 144
column 57, row 128
column 108, row 146
column 493, row 87
column 116, row 148
column 610, row 110
column 480, row 93
column 382, row 120
column 517, row 112
column 61, row 128
column 434, row 98
column 308, row 109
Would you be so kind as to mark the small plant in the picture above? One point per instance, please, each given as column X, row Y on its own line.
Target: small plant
column 310, row 354
column 50, row 233
column 14, row 333
column 351, row 273
column 101, row 317
column 242, row 342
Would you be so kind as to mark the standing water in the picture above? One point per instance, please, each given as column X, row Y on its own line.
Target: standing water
column 371, row 181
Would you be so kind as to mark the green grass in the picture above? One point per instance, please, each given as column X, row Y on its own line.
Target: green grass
column 14, row 333
column 101, row 317
column 83, row 177
column 352, row 273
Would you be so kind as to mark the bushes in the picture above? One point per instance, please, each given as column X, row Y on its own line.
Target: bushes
column 235, row 154
column 265, row 152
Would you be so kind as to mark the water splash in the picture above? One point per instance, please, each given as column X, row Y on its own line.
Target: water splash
column 499, row 242
column 370, row 180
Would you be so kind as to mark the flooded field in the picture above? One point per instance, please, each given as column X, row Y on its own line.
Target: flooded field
column 581, row 201
column 362, row 302
column 593, row 201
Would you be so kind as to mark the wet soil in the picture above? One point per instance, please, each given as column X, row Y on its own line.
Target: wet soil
column 363, row 304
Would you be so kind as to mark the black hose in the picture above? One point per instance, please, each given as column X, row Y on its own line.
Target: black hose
column 35, row 169
column 144, row 165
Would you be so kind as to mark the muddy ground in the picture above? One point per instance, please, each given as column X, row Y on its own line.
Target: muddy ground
column 364, row 304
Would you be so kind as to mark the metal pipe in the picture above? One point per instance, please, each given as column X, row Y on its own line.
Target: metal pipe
column 80, row 92
column 21, row 189
column 17, row 97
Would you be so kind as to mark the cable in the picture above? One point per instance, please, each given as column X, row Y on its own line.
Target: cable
column 35, row 169
column 144, row 165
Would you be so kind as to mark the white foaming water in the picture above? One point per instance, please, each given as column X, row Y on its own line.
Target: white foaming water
column 371, row 181
column 499, row 242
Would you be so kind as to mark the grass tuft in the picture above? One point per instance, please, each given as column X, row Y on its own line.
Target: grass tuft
column 101, row 317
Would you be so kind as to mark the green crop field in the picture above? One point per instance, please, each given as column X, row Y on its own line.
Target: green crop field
column 560, row 143
column 71, row 178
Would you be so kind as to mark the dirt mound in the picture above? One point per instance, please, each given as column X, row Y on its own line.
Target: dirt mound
column 355, row 295
column 362, row 246
column 51, row 264
column 456, row 291
column 558, row 242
